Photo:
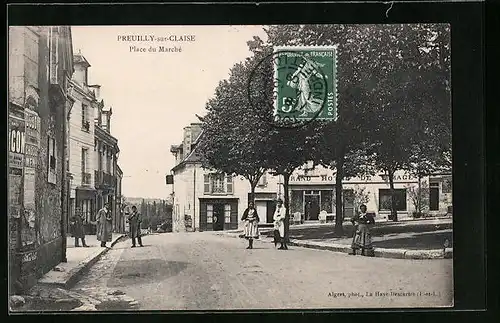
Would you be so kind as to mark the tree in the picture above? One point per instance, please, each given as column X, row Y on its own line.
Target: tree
column 235, row 136
column 408, row 95
column 419, row 197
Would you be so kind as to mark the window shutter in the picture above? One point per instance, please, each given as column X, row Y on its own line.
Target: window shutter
column 206, row 183
column 229, row 184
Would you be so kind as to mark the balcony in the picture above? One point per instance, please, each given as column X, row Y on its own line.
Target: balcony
column 86, row 178
column 104, row 180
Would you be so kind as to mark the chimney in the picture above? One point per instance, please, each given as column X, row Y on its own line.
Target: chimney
column 195, row 131
column 186, row 143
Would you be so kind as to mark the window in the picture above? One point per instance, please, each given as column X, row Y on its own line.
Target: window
column 229, row 184
column 206, row 183
column 85, row 118
column 52, row 178
column 108, row 163
column 217, row 184
column 227, row 213
column 210, row 213
column 99, row 159
column 385, row 199
column 85, row 161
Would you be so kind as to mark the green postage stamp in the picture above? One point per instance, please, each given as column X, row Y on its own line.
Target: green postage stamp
column 305, row 83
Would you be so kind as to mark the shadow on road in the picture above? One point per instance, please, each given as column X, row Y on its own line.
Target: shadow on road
column 422, row 241
column 128, row 272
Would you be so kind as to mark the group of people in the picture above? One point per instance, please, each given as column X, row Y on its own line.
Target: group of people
column 361, row 238
column 252, row 220
column 104, row 226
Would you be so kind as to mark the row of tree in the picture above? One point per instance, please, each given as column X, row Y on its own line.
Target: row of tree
column 394, row 109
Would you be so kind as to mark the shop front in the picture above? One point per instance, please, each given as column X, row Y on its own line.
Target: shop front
column 218, row 214
column 85, row 200
column 313, row 193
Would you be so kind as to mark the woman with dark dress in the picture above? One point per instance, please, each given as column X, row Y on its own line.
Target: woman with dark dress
column 362, row 238
column 251, row 219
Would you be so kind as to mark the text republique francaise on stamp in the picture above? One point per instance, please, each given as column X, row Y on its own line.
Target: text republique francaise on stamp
column 304, row 84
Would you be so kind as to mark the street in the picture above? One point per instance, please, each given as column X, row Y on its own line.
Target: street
column 202, row 271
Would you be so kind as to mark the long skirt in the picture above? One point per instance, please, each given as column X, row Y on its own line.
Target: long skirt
column 251, row 230
column 362, row 238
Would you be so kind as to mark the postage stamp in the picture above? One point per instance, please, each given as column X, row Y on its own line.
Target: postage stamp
column 305, row 83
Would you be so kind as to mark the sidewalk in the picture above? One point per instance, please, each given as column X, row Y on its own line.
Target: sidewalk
column 415, row 239
column 66, row 274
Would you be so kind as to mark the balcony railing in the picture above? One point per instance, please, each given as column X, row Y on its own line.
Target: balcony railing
column 86, row 178
column 103, row 179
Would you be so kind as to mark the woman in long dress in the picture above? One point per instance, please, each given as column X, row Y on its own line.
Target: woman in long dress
column 362, row 238
column 251, row 219
column 279, row 223
column 104, row 225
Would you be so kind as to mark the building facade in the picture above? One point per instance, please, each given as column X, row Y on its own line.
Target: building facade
column 316, row 187
column 205, row 200
column 106, row 157
column 81, row 141
column 119, row 220
column 208, row 200
column 40, row 67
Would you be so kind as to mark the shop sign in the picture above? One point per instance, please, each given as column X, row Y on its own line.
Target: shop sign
column 330, row 179
column 16, row 142
column 32, row 148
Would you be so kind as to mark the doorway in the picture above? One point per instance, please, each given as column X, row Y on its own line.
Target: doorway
column 433, row 196
column 271, row 207
column 311, row 205
column 218, row 217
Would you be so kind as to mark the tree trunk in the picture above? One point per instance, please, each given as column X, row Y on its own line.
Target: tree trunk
column 394, row 213
column 286, row 182
column 419, row 198
column 252, row 191
column 339, row 210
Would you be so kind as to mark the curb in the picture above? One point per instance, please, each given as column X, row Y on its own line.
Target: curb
column 379, row 252
column 76, row 273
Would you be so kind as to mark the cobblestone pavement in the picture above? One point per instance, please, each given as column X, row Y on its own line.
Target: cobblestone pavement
column 202, row 271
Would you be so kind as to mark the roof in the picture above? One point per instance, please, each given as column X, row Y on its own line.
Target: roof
column 193, row 157
column 79, row 59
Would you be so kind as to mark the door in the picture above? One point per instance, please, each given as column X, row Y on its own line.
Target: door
column 218, row 217
column 434, row 197
column 312, row 210
column 271, row 206
column 261, row 207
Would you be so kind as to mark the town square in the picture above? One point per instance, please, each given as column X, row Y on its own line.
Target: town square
column 281, row 167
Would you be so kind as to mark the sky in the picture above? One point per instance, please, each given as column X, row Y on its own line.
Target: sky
column 154, row 95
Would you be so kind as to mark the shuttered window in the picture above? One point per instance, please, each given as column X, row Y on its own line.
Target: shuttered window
column 229, row 184
column 206, row 184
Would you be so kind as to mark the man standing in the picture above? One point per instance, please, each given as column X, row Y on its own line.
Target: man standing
column 77, row 227
column 104, row 225
column 135, row 220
